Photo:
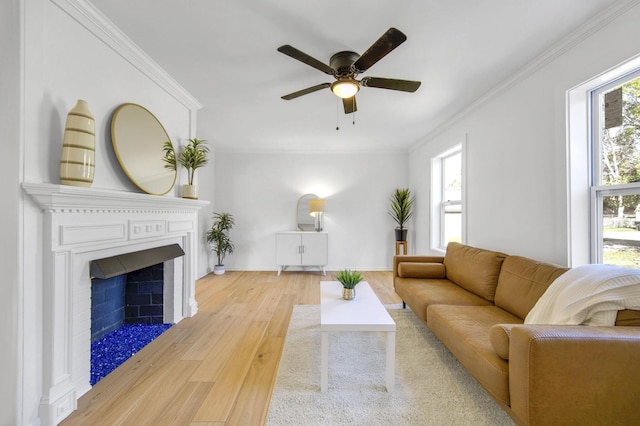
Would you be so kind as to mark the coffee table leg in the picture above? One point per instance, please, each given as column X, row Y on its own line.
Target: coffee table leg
column 391, row 360
column 324, row 361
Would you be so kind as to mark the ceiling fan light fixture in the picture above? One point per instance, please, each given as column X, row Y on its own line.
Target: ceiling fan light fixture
column 345, row 87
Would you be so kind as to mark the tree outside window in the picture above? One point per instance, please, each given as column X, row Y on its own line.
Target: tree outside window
column 616, row 189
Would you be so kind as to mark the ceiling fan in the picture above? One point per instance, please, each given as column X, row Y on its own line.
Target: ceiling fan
column 346, row 65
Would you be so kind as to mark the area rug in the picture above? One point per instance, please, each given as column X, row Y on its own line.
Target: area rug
column 432, row 387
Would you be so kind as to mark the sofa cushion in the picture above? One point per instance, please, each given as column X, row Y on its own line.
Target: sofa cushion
column 420, row 293
column 474, row 269
column 521, row 283
column 421, row 270
column 464, row 330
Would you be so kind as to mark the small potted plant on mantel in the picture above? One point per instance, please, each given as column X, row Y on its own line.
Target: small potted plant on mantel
column 349, row 279
column 401, row 211
column 218, row 238
column 192, row 156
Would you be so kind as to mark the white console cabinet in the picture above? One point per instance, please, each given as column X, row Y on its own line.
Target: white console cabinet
column 300, row 248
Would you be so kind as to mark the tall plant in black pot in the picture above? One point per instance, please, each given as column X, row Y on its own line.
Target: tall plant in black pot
column 218, row 237
column 401, row 211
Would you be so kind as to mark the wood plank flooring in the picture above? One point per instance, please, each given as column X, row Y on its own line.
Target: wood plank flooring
column 219, row 367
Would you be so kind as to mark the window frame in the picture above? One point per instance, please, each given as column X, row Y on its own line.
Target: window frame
column 438, row 203
column 597, row 190
column 578, row 157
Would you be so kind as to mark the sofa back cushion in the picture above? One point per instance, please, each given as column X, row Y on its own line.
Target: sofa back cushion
column 521, row 283
column 474, row 269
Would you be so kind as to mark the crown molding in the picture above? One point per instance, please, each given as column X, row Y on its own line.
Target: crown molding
column 87, row 15
column 577, row 36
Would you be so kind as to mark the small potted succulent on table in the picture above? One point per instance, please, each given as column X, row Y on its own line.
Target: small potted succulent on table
column 349, row 279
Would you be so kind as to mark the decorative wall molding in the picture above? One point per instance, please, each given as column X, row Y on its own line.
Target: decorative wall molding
column 84, row 224
column 574, row 38
column 99, row 25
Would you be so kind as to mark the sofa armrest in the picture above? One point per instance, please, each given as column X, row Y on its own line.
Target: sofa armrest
column 574, row 374
column 413, row 258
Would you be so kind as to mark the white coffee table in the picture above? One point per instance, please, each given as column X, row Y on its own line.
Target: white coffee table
column 364, row 313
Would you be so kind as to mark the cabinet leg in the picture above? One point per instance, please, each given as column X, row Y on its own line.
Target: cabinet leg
column 279, row 270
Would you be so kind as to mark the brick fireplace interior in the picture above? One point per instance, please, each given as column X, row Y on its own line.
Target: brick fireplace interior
column 133, row 298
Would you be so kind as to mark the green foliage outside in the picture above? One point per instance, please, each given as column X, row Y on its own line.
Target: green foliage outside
column 621, row 152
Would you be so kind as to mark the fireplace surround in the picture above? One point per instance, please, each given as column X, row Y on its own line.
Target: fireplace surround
column 84, row 224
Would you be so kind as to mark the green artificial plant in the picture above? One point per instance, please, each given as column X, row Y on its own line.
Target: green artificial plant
column 348, row 278
column 192, row 156
column 218, row 235
column 401, row 206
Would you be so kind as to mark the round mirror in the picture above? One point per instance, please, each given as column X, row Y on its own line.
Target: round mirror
column 138, row 137
column 306, row 222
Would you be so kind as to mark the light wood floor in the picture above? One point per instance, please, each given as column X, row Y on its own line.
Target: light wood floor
column 219, row 367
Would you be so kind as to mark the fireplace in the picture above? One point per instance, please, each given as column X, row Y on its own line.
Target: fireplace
column 82, row 225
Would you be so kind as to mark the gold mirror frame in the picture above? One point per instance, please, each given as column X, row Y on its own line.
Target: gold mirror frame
column 138, row 138
column 304, row 220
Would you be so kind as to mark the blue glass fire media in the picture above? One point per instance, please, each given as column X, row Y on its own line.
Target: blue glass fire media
column 118, row 346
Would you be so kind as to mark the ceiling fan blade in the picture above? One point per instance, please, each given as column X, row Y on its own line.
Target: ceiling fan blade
column 303, row 57
column 378, row 50
column 305, row 91
column 390, row 83
column 349, row 105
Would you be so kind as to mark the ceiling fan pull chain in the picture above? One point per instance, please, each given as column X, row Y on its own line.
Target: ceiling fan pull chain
column 337, row 114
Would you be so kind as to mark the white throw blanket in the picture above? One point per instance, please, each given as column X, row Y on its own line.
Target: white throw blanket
column 588, row 295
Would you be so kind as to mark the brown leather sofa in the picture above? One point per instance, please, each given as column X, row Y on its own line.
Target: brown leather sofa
column 475, row 302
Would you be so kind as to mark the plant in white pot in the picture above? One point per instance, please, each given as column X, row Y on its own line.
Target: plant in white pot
column 218, row 238
column 192, row 156
column 401, row 211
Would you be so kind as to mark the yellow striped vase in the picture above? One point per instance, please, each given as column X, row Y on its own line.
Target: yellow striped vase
column 78, row 163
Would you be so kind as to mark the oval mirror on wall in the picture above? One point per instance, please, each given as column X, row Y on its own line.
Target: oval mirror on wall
column 138, row 138
column 306, row 222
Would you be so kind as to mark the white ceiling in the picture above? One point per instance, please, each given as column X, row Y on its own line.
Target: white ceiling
column 224, row 53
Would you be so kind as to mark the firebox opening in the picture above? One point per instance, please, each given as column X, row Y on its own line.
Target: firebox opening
column 127, row 313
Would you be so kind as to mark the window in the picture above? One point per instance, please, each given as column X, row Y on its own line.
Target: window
column 447, row 196
column 615, row 172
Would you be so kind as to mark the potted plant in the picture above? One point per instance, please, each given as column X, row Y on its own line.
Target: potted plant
column 349, row 279
column 401, row 211
column 218, row 238
column 192, row 156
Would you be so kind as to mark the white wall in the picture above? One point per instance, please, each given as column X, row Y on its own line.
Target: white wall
column 71, row 52
column 261, row 190
column 10, row 323
column 516, row 141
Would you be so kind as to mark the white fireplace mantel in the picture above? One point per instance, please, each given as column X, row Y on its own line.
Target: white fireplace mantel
column 84, row 224
column 57, row 197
